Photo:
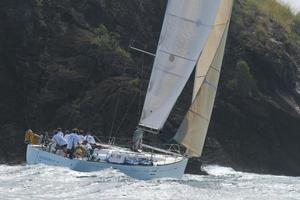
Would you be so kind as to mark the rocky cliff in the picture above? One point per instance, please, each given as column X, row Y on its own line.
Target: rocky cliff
column 67, row 63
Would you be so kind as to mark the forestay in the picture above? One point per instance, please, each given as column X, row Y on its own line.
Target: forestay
column 193, row 129
column 185, row 31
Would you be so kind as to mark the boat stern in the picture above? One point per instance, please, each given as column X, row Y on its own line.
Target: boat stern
column 31, row 154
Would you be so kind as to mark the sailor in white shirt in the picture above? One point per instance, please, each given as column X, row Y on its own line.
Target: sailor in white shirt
column 87, row 147
column 90, row 139
column 81, row 135
column 81, row 138
column 66, row 137
column 73, row 140
column 60, row 142
column 59, row 131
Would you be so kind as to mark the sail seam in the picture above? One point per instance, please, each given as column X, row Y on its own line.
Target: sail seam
column 198, row 23
column 215, row 68
column 167, row 72
column 177, row 56
column 198, row 114
column 210, row 84
column 212, row 67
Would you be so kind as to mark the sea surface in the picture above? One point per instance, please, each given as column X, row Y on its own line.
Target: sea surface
column 45, row 182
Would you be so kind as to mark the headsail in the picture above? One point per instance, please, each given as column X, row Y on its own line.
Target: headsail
column 185, row 30
column 193, row 129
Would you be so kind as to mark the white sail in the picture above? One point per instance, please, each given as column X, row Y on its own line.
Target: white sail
column 185, row 30
column 193, row 129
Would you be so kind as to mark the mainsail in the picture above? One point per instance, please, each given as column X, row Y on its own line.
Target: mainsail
column 193, row 129
column 186, row 28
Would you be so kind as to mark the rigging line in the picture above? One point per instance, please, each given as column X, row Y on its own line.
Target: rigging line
column 115, row 114
column 124, row 116
column 141, row 86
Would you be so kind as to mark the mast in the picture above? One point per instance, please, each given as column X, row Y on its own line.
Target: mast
column 193, row 129
column 186, row 28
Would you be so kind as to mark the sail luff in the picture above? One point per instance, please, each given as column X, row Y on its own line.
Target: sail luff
column 185, row 30
column 192, row 131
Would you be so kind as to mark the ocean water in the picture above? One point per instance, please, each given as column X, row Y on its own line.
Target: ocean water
column 45, row 182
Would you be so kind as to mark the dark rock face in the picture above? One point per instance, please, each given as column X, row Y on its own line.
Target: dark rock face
column 57, row 70
column 66, row 63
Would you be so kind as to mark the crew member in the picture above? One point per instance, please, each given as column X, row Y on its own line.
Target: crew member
column 67, row 135
column 81, row 135
column 59, row 131
column 137, row 139
column 60, row 142
column 45, row 139
column 73, row 140
column 90, row 139
column 31, row 137
column 87, row 147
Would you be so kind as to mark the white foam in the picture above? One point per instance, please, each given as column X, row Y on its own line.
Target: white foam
column 46, row 182
column 218, row 170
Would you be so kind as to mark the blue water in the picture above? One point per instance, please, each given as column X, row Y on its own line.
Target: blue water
column 45, row 182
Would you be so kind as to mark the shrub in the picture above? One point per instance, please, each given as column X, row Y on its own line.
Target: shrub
column 135, row 82
column 105, row 38
column 109, row 41
column 122, row 53
column 39, row 3
column 243, row 83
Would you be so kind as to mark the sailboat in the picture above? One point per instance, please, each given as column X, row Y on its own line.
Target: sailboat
column 193, row 38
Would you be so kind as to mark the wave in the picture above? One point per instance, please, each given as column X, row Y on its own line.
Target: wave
column 47, row 182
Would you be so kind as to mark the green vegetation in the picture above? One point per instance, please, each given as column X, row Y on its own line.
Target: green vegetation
column 122, row 53
column 105, row 38
column 39, row 3
column 258, row 20
column 266, row 32
column 278, row 12
column 135, row 82
column 110, row 40
column 243, row 82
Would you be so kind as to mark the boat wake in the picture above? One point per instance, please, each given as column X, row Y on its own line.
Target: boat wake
column 46, row 182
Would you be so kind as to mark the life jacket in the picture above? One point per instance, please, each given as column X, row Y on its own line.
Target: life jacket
column 35, row 138
column 28, row 135
column 31, row 137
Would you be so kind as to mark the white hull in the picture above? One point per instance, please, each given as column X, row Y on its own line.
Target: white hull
column 35, row 155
